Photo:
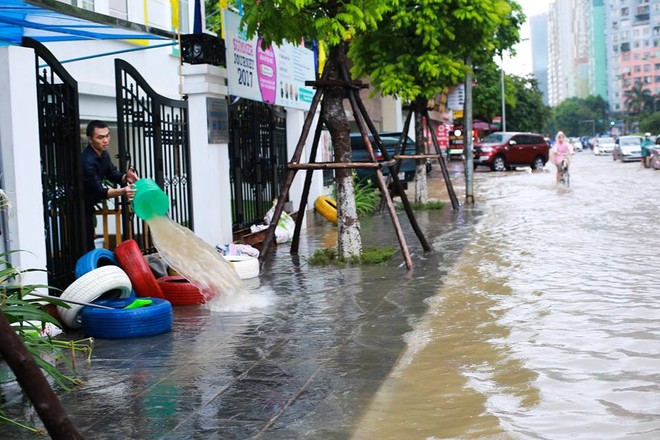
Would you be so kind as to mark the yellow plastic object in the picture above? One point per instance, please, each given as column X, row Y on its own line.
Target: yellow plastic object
column 149, row 200
column 327, row 207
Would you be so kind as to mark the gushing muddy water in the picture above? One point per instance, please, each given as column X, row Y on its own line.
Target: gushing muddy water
column 203, row 266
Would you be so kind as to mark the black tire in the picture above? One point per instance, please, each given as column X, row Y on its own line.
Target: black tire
column 150, row 320
column 94, row 259
column 538, row 163
column 499, row 164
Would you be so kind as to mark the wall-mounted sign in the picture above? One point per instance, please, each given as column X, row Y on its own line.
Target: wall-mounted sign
column 217, row 120
column 276, row 75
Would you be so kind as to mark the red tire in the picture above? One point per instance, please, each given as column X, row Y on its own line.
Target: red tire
column 134, row 264
column 180, row 292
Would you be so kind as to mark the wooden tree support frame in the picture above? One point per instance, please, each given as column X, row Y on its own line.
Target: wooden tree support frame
column 401, row 147
column 364, row 124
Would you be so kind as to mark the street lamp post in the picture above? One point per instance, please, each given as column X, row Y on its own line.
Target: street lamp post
column 502, row 84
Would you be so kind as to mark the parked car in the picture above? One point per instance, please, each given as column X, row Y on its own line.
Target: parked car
column 628, row 148
column 390, row 141
column 577, row 144
column 502, row 150
column 604, row 145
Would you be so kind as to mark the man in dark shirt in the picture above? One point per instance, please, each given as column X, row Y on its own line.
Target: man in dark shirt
column 96, row 167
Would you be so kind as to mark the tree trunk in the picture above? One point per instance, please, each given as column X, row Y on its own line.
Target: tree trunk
column 349, row 241
column 421, row 183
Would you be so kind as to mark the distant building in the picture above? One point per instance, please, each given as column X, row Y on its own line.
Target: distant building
column 569, row 31
column 598, row 66
column 539, row 40
column 633, row 48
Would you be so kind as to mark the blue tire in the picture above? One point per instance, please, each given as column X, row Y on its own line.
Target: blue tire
column 94, row 259
column 117, row 303
column 150, row 320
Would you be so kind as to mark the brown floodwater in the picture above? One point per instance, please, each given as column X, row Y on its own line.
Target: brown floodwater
column 547, row 324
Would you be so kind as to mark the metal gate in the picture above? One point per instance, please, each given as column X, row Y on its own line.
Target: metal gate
column 59, row 139
column 258, row 159
column 153, row 139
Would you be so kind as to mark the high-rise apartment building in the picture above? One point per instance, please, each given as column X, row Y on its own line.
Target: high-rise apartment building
column 539, row 41
column 569, row 31
column 633, row 48
column 598, row 65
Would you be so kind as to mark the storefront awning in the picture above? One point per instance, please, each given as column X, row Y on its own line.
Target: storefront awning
column 50, row 20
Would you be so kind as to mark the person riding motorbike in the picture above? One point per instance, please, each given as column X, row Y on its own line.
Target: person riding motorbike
column 647, row 144
column 561, row 150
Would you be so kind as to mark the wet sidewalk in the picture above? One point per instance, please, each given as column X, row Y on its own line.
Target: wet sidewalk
column 305, row 367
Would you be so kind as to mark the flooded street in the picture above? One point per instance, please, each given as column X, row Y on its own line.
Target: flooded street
column 534, row 317
column 547, row 325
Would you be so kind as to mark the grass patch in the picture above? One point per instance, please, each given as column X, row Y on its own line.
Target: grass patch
column 370, row 257
column 418, row 206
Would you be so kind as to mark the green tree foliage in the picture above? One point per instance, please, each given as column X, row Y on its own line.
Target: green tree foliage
column 650, row 123
column 528, row 112
column 580, row 116
column 335, row 23
column 638, row 99
column 419, row 49
column 213, row 16
column 525, row 110
column 487, row 92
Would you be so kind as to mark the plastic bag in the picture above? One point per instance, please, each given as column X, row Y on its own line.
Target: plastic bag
column 285, row 225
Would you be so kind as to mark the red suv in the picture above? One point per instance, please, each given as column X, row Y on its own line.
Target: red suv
column 501, row 150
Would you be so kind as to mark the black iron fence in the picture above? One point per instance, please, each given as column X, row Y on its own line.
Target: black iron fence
column 59, row 139
column 258, row 159
column 153, row 139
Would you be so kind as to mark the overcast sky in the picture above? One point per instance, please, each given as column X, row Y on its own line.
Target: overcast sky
column 521, row 64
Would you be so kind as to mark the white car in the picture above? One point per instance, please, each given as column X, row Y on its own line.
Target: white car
column 628, row 148
column 577, row 145
column 604, row 145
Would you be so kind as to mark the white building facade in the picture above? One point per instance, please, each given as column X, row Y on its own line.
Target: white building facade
column 91, row 64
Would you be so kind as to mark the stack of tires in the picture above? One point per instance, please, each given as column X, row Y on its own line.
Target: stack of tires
column 113, row 279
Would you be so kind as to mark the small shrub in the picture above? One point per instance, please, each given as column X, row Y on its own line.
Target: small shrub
column 367, row 196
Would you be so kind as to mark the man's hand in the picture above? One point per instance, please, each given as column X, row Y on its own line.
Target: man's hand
column 131, row 176
column 128, row 192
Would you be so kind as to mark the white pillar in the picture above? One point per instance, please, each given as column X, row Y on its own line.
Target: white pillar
column 392, row 114
column 20, row 164
column 211, row 201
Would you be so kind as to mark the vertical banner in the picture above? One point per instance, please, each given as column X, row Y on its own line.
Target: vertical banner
column 275, row 75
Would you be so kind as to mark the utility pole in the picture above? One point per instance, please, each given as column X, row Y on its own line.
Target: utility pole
column 468, row 144
column 502, row 86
